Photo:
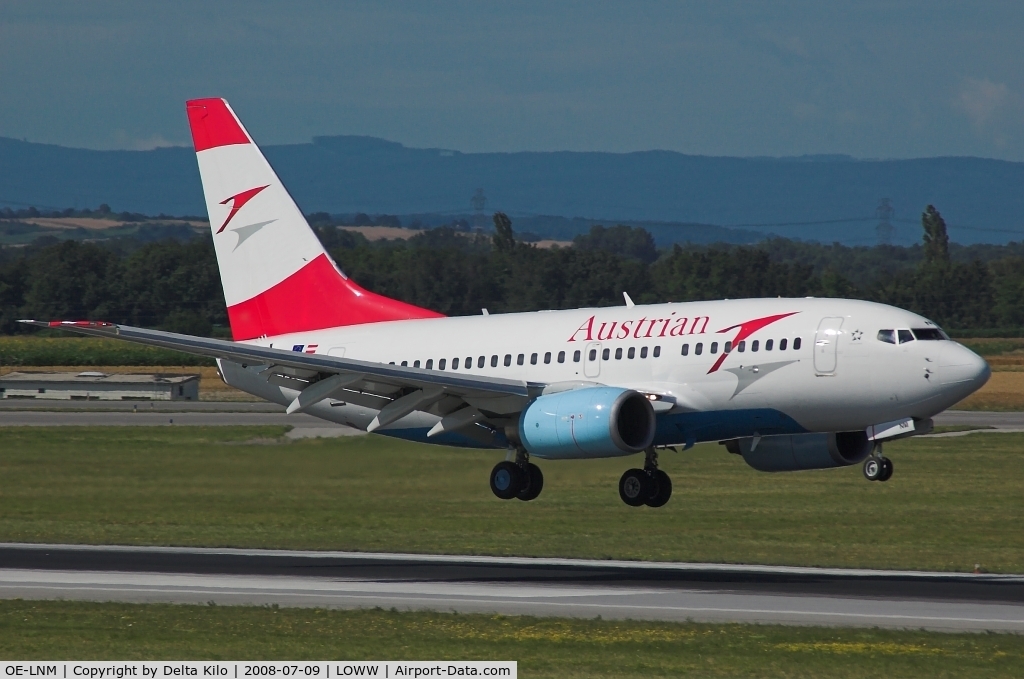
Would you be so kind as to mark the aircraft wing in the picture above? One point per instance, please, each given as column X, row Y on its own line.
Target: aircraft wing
column 397, row 390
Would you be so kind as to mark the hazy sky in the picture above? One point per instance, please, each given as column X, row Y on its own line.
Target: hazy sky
column 870, row 79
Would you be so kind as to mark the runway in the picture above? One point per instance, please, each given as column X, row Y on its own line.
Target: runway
column 542, row 587
column 169, row 413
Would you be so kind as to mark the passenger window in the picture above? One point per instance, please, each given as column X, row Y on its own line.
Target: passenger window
column 405, row 363
column 391, row 362
column 728, row 347
column 415, row 364
column 593, row 355
column 714, row 347
column 796, row 344
column 605, row 354
column 494, row 360
column 508, row 360
column 686, row 350
column 768, row 345
column 618, row 354
column 561, row 357
column 753, row 345
column 887, row 336
column 547, row 357
column 643, row 352
column 905, row 336
column 480, row 361
column 631, row 353
column 742, row 346
column 520, row 359
column 533, row 359
column 442, row 363
column 576, row 356
column 782, row 344
column 469, row 363
column 430, row 364
column 657, row 352
column 455, row 364
column 699, row 347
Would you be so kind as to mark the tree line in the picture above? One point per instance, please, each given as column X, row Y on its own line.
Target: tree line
column 176, row 286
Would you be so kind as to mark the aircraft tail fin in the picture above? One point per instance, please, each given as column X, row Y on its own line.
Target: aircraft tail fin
column 276, row 275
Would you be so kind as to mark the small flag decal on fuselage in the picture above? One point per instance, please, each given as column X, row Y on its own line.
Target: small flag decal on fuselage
column 309, row 348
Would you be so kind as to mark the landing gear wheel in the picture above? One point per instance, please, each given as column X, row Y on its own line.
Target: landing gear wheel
column 886, row 469
column 663, row 489
column 635, row 487
column 533, row 483
column 506, row 480
column 873, row 468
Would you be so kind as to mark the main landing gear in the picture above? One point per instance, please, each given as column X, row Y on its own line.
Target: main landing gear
column 648, row 486
column 877, row 467
column 521, row 479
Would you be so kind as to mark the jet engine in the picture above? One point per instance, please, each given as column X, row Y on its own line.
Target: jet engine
column 588, row 422
column 802, row 451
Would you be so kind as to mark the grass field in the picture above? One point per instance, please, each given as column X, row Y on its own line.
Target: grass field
column 543, row 647
column 953, row 502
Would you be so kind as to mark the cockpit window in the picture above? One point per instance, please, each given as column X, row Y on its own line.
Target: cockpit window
column 905, row 336
column 929, row 334
column 887, row 336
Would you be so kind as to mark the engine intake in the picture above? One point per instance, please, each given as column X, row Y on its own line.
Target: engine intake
column 589, row 422
column 803, row 451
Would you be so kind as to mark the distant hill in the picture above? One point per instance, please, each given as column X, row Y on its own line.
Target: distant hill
column 360, row 174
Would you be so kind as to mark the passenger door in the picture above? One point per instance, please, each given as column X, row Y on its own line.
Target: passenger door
column 592, row 360
column 826, row 342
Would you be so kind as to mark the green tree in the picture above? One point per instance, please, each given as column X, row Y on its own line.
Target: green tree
column 504, row 239
column 936, row 240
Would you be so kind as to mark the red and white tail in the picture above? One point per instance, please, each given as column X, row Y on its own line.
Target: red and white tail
column 277, row 277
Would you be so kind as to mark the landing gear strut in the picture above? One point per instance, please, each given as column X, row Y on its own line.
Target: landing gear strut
column 648, row 486
column 877, row 467
column 520, row 478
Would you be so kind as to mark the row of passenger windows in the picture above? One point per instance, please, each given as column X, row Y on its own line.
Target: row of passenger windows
column 741, row 346
column 577, row 356
column 606, row 354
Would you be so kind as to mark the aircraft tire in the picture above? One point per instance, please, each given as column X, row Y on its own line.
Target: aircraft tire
column 506, row 480
column 663, row 489
column 635, row 487
column 886, row 469
column 533, row 483
column 873, row 468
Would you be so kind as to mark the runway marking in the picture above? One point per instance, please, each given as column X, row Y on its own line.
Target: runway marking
column 690, row 609
column 667, row 566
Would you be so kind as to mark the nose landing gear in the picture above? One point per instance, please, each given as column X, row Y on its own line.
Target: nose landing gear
column 521, row 479
column 877, row 467
column 648, row 486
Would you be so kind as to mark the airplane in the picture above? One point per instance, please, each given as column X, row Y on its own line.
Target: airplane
column 787, row 384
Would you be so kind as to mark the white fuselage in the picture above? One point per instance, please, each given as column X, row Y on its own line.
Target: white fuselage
column 820, row 367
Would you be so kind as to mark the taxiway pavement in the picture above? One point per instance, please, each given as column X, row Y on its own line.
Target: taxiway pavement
column 543, row 587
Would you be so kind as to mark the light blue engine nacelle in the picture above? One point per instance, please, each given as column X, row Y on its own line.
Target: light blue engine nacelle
column 589, row 422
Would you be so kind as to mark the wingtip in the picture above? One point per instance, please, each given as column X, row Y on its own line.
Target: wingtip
column 100, row 325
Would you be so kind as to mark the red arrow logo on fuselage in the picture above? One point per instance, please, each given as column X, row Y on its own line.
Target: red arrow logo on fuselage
column 237, row 201
column 746, row 330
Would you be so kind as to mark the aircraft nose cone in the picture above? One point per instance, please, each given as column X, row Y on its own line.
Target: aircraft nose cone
column 961, row 366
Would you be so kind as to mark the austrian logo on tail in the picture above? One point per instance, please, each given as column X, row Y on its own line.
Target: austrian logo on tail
column 237, row 201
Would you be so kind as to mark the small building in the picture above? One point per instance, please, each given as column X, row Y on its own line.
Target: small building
column 98, row 386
